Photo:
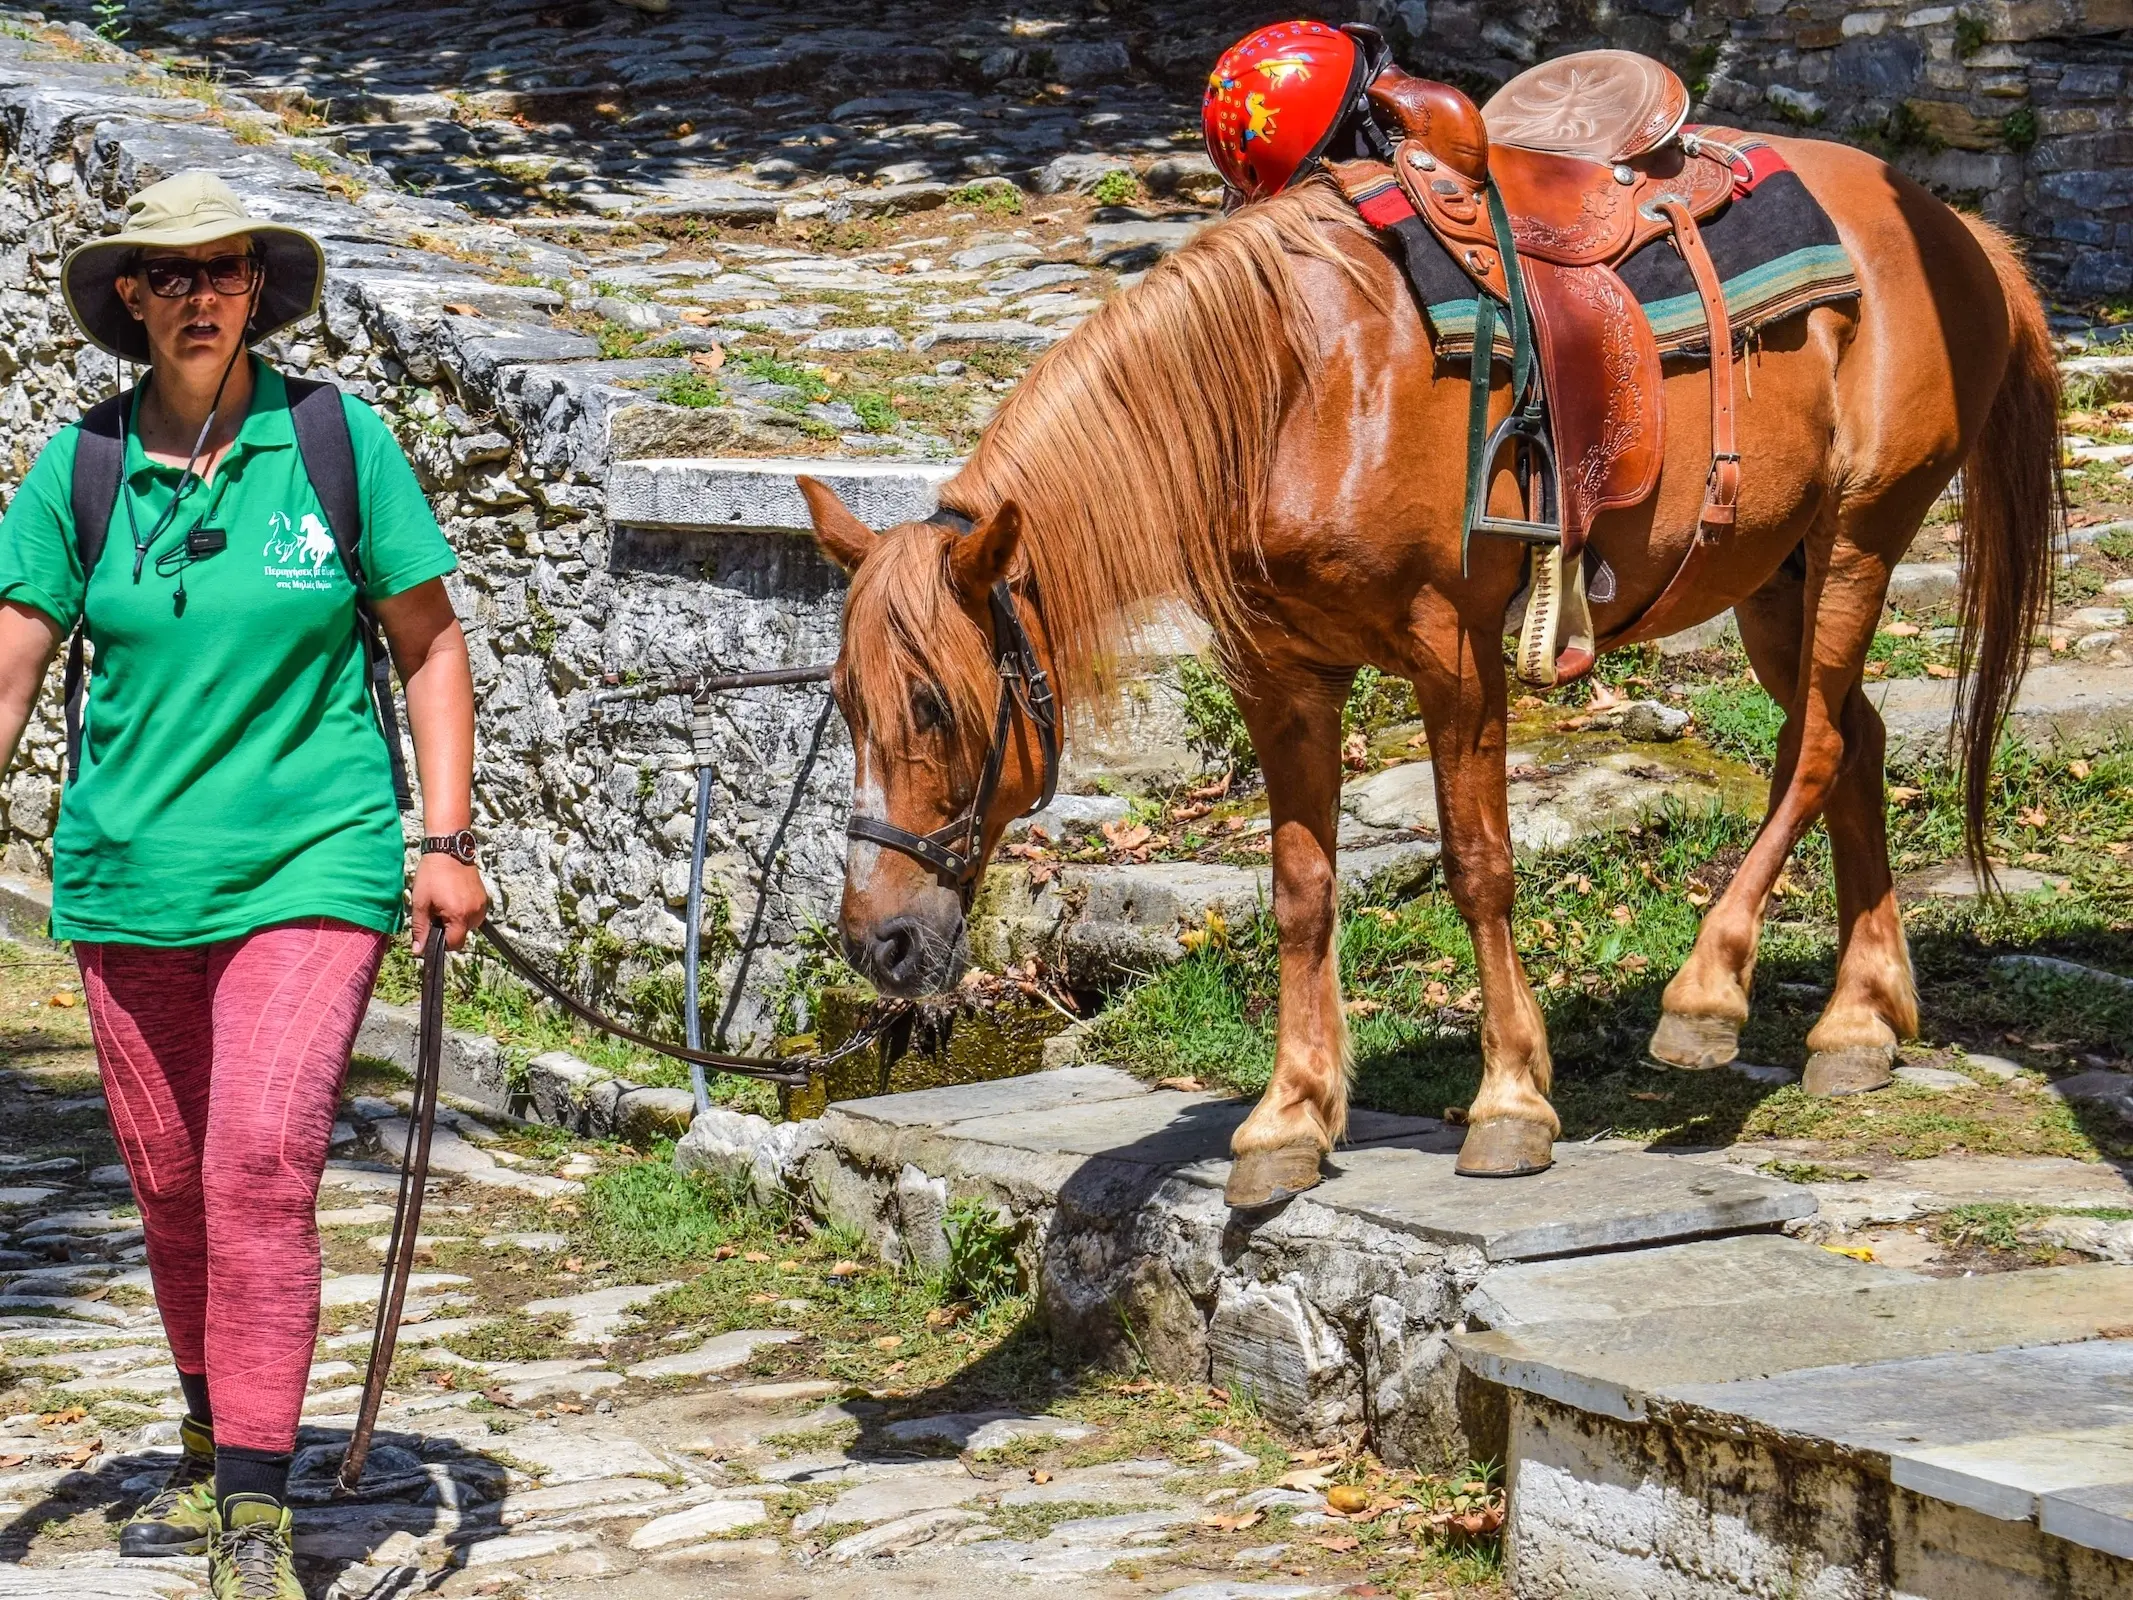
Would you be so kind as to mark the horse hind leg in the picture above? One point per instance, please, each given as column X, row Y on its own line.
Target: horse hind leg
column 1874, row 1005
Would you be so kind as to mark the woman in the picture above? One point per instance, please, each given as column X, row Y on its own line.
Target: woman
column 228, row 861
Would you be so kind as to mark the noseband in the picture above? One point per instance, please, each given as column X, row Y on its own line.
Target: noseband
column 955, row 850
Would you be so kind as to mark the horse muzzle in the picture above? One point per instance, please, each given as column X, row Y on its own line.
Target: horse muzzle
column 911, row 954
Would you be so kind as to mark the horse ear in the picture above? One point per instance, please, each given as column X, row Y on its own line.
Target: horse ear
column 843, row 537
column 980, row 558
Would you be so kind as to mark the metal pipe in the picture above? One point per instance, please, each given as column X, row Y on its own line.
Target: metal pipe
column 711, row 683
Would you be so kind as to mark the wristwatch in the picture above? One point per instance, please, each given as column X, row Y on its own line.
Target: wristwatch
column 459, row 846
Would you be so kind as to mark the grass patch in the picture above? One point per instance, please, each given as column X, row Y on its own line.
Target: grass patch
column 1998, row 1226
column 516, row 1337
column 1603, row 924
column 1738, row 719
column 650, row 1215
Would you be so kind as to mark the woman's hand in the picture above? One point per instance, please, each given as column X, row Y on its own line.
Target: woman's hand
column 449, row 891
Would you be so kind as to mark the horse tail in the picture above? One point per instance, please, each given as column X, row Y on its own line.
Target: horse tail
column 2013, row 515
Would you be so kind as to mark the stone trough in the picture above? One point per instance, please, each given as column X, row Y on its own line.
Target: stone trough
column 1689, row 1401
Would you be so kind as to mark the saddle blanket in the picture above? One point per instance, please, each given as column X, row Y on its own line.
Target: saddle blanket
column 1775, row 250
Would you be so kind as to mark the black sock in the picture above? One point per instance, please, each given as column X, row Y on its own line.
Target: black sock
column 195, row 1386
column 241, row 1471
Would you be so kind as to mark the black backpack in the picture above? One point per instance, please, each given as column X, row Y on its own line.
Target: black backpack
column 328, row 455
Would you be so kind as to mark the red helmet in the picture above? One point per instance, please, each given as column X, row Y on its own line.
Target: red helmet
column 1274, row 100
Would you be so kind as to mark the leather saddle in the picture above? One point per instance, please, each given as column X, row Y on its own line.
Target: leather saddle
column 1540, row 195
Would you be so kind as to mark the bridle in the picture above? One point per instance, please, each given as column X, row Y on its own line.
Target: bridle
column 954, row 850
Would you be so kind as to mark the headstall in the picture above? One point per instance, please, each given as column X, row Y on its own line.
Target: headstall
column 955, row 850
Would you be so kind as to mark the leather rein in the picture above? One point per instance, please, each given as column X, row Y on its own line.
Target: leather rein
column 955, row 851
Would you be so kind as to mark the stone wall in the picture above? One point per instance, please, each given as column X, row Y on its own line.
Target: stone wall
column 2017, row 108
column 585, row 806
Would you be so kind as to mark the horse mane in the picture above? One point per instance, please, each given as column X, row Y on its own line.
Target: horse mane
column 1138, row 451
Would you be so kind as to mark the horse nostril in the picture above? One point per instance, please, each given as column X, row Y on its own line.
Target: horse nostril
column 897, row 948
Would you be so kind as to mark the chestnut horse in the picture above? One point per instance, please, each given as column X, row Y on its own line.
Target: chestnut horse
column 1259, row 430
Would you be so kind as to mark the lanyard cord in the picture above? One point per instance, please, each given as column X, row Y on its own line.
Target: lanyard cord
column 142, row 546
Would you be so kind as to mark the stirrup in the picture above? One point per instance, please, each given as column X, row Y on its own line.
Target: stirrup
column 1555, row 643
column 1528, row 431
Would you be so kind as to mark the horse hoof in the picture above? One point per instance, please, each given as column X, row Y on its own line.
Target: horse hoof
column 1506, row 1147
column 1860, row 1069
column 1694, row 1044
column 1259, row 1179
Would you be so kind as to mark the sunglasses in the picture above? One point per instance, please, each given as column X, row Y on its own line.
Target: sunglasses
column 175, row 277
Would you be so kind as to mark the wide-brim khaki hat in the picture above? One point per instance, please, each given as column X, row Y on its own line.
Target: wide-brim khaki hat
column 191, row 208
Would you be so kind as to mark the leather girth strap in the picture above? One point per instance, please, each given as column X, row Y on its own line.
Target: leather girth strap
column 1722, row 486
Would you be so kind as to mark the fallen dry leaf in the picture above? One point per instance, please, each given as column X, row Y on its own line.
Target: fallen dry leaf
column 2031, row 816
column 497, row 1397
column 1218, row 1394
column 889, row 1341
column 459, row 308
column 1215, row 790
column 2077, row 769
column 1623, row 916
column 757, row 1256
column 1123, row 835
column 59, row 1419
column 1305, row 1478
column 1039, row 1475
column 65, row 1001
column 708, row 361
column 1901, row 630
column 762, row 1299
column 1936, row 670
column 1181, row 1085
column 846, row 1269
column 1355, row 752
column 1858, row 1252
column 570, row 1407
column 1902, row 795
column 11, row 1461
column 725, row 1252
column 946, row 1316
column 1363, row 1007
column 1233, row 1522
column 1338, row 1543
column 788, row 1266
column 1698, row 895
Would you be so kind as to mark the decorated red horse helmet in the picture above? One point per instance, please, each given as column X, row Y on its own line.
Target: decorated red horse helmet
column 1275, row 99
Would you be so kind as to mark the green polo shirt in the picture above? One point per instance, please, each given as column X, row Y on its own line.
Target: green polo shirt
column 233, row 775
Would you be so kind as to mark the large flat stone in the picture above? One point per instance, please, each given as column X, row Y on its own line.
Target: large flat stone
column 2100, row 1518
column 1623, row 1367
column 1589, row 1200
column 959, row 1103
column 2007, row 1478
column 2072, row 706
column 1708, row 1272
column 761, row 494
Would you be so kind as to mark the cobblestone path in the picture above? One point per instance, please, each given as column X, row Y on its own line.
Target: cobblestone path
column 880, row 212
column 672, row 1418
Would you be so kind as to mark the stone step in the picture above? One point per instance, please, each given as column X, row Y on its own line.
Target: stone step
column 1974, row 1423
column 1333, row 1310
column 2066, row 707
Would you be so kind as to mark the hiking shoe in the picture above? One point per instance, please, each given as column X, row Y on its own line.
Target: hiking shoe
column 179, row 1520
column 250, row 1558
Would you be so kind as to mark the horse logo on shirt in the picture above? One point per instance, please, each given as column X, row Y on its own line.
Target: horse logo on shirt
column 297, row 552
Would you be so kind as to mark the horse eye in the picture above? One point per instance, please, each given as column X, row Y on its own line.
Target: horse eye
column 928, row 710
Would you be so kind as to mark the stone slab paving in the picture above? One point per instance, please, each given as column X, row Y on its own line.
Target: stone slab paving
column 1988, row 1397
column 1396, row 1173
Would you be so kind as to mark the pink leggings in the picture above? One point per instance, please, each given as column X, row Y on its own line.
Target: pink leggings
column 223, row 1064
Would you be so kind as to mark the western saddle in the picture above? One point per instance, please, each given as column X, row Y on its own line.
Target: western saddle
column 1539, row 196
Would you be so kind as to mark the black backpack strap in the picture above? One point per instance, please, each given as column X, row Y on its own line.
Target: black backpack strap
column 323, row 440
column 99, row 464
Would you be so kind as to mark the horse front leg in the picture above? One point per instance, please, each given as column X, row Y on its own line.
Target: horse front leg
column 1511, row 1127
column 1295, row 721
